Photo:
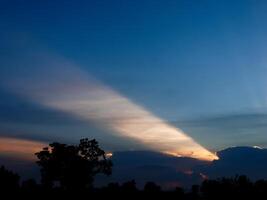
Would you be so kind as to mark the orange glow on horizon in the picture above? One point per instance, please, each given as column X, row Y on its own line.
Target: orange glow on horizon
column 20, row 148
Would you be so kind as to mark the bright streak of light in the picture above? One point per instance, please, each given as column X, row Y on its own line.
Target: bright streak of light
column 109, row 155
column 257, row 147
column 20, row 148
column 130, row 120
column 61, row 86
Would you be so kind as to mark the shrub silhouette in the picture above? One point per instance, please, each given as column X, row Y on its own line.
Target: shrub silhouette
column 72, row 167
column 239, row 186
column 9, row 181
column 112, row 187
column 152, row 187
column 29, row 186
column 129, row 187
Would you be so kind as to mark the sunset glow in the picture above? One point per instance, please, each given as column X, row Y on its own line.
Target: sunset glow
column 20, row 148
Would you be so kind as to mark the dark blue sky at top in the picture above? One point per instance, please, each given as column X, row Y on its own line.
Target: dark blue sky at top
column 182, row 60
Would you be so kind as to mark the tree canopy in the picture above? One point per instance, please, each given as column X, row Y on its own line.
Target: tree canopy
column 72, row 167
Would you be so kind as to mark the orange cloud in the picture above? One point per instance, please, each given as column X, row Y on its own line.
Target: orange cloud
column 19, row 148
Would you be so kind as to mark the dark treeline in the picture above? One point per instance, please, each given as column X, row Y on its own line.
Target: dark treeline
column 70, row 170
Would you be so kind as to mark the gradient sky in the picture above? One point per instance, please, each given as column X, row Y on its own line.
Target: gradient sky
column 198, row 65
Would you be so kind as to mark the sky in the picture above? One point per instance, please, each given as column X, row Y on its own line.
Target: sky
column 194, row 69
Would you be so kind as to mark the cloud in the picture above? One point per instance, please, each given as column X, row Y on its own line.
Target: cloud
column 233, row 129
column 235, row 120
column 20, row 149
column 249, row 161
column 143, row 166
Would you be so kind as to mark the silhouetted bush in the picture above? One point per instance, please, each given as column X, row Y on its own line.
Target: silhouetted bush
column 240, row 186
column 112, row 187
column 179, row 192
column 9, row 181
column 129, row 186
column 260, row 189
column 29, row 185
column 152, row 187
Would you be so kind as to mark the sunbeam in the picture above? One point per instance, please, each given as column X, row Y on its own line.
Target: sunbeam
column 61, row 85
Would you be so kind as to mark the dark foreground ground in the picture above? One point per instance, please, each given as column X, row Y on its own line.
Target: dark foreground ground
column 234, row 188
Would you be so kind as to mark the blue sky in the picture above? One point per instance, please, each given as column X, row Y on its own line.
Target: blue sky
column 200, row 65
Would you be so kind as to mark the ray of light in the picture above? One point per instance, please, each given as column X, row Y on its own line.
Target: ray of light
column 60, row 85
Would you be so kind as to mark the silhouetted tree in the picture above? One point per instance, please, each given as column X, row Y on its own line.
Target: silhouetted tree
column 210, row 188
column 240, row 187
column 129, row 186
column 152, row 187
column 195, row 191
column 9, row 181
column 260, row 189
column 29, row 185
column 244, row 186
column 72, row 167
column 112, row 187
column 179, row 192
